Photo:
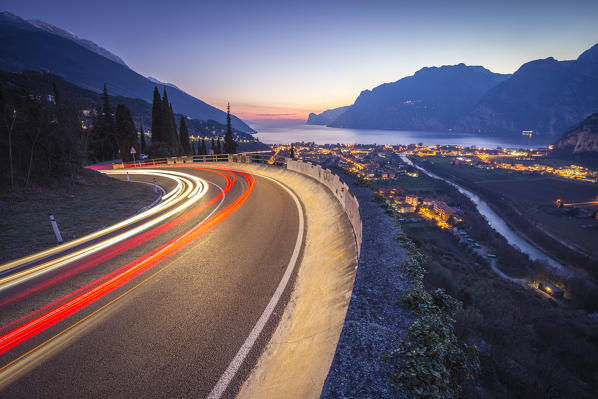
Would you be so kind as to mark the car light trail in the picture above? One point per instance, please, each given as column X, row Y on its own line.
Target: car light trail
column 121, row 276
column 113, row 251
column 195, row 189
column 167, row 200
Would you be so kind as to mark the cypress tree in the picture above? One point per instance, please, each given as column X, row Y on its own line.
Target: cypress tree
column 213, row 146
column 184, row 137
column 218, row 147
column 126, row 133
column 203, row 150
column 230, row 146
column 174, row 138
column 157, row 125
column 110, row 144
column 292, row 152
column 142, row 144
column 56, row 95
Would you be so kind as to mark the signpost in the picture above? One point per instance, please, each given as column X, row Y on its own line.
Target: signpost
column 133, row 152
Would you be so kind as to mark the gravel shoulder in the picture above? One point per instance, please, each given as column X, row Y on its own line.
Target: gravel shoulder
column 375, row 323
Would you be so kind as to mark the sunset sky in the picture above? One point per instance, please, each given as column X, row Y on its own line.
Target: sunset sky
column 281, row 60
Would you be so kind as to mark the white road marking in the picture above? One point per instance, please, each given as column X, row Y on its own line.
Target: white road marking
column 239, row 358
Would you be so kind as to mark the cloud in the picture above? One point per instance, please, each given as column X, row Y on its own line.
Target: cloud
column 270, row 115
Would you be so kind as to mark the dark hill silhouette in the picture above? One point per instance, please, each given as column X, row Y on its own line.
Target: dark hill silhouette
column 432, row 99
column 325, row 117
column 546, row 96
column 24, row 46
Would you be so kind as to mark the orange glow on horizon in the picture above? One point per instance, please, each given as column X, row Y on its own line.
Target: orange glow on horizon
column 255, row 112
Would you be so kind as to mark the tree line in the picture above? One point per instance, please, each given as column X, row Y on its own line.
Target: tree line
column 45, row 137
column 166, row 141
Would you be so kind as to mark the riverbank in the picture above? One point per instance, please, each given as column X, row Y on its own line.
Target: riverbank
column 529, row 232
column 543, row 349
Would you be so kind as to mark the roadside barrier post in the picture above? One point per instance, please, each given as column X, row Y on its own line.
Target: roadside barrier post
column 155, row 187
column 128, row 178
column 55, row 228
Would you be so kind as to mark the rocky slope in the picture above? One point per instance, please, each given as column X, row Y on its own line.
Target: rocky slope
column 583, row 138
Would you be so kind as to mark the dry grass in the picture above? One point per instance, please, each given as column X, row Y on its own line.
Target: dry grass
column 90, row 202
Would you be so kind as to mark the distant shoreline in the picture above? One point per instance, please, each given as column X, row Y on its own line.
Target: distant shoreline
column 332, row 135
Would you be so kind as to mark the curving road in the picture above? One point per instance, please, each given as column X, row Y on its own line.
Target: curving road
column 169, row 303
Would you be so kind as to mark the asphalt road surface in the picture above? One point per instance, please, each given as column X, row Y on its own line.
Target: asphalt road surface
column 157, row 312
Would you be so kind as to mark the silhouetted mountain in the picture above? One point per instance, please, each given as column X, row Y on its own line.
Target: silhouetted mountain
column 546, row 96
column 326, row 117
column 432, row 99
column 25, row 46
column 88, row 44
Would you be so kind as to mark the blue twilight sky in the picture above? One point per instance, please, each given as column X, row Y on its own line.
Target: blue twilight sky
column 283, row 59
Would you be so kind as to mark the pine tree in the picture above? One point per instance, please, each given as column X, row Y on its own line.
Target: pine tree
column 230, row 146
column 219, row 149
column 107, row 130
column 203, row 150
column 126, row 133
column 213, row 146
column 184, row 137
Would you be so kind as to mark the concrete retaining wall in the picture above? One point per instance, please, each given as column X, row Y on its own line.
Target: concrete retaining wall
column 339, row 189
column 297, row 358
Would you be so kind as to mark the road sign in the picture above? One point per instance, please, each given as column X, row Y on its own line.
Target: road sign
column 133, row 150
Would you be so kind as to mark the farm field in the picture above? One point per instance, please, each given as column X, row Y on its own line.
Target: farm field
column 534, row 196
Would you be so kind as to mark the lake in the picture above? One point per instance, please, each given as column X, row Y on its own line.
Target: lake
column 331, row 135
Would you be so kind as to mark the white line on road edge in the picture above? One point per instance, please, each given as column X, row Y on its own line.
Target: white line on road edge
column 239, row 358
column 156, row 188
column 65, row 338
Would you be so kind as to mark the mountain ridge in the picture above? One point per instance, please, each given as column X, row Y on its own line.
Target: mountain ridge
column 430, row 99
column 546, row 96
column 326, row 117
column 24, row 46
column 88, row 44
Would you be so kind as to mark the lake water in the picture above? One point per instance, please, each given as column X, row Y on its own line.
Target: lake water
column 331, row 135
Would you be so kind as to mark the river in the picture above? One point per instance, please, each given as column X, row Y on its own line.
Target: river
column 496, row 222
column 330, row 135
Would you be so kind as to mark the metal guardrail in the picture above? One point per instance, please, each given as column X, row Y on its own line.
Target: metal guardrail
column 230, row 158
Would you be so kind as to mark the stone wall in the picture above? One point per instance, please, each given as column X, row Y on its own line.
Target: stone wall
column 337, row 187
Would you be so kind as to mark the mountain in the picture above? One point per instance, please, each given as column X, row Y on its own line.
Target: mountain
column 325, row 117
column 88, row 44
column 432, row 99
column 152, row 79
column 546, row 96
column 583, row 138
column 26, row 46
